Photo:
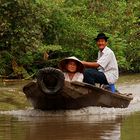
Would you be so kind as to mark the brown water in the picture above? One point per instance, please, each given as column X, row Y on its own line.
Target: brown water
column 92, row 123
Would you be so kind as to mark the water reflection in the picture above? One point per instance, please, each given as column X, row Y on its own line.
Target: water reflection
column 68, row 128
column 130, row 127
column 93, row 127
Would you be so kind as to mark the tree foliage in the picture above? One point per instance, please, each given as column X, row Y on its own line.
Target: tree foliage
column 30, row 28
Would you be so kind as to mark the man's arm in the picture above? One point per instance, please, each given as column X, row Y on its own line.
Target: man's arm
column 90, row 64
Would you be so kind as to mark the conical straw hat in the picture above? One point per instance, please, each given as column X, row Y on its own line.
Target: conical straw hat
column 63, row 63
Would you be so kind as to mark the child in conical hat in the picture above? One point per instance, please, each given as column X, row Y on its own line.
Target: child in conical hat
column 72, row 68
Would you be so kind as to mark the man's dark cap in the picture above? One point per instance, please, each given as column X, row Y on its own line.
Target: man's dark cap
column 101, row 36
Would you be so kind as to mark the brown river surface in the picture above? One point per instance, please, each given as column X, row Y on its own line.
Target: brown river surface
column 19, row 121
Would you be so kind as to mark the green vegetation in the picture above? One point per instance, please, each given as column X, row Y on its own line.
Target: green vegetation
column 32, row 29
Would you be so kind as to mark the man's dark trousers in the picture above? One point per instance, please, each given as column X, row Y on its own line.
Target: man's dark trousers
column 92, row 76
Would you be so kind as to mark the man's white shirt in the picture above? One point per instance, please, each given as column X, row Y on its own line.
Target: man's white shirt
column 108, row 65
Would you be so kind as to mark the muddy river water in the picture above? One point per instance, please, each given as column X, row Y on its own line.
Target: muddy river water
column 19, row 121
